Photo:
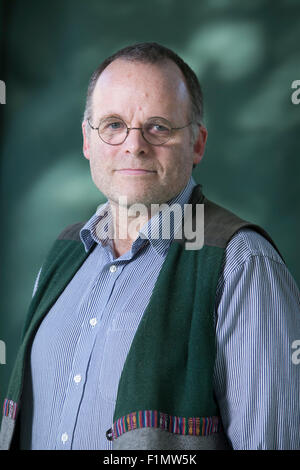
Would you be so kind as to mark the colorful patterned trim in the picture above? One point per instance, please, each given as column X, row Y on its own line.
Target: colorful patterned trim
column 157, row 419
column 10, row 408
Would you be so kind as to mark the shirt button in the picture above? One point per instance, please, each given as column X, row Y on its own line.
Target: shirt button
column 64, row 437
column 77, row 378
column 113, row 268
column 93, row 322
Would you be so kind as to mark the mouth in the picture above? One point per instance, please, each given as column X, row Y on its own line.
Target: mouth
column 135, row 171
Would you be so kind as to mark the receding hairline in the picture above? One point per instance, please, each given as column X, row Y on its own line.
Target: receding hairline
column 159, row 65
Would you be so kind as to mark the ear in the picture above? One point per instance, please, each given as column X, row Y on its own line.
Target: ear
column 86, row 144
column 199, row 145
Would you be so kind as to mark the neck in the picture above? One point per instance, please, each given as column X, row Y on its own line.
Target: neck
column 127, row 221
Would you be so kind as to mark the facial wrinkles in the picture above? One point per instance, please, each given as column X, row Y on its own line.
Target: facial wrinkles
column 114, row 94
column 130, row 110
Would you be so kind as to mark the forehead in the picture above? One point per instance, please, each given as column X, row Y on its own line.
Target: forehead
column 135, row 85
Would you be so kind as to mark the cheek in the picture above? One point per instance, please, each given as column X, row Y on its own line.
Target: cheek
column 180, row 160
column 100, row 156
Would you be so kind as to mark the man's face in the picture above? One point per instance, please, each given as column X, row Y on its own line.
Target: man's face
column 143, row 172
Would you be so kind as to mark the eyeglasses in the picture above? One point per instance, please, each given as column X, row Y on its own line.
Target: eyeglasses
column 156, row 130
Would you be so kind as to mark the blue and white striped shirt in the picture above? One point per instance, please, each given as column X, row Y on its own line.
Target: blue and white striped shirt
column 80, row 348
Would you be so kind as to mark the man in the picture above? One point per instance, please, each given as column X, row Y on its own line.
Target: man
column 133, row 340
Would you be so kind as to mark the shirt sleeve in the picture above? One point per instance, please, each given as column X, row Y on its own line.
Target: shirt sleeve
column 257, row 379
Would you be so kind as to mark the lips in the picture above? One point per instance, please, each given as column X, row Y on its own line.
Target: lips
column 135, row 171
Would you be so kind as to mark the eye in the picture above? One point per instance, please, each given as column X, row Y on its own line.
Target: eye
column 112, row 125
column 157, row 128
column 115, row 125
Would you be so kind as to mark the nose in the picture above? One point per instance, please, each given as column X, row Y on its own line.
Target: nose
column 135, row 143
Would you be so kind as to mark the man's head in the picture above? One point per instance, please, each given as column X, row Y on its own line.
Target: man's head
column 135, row 84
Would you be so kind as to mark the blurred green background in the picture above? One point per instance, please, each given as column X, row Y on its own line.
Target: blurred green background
column 246, row 55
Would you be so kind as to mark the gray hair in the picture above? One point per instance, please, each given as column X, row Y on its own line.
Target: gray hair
column 151, row 52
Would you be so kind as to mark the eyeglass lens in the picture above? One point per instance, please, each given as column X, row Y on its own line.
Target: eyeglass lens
column 113, row 130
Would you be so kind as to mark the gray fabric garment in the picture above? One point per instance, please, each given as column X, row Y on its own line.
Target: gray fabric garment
column 7, row 430
column 159, row 439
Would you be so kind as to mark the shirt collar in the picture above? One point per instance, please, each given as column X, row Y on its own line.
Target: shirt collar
column 99, row 228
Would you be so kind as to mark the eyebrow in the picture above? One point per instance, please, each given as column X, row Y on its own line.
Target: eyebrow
column 118, row 116
column 108, row 115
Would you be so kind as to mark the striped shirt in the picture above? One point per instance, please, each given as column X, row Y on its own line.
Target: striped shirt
column 79, row 351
